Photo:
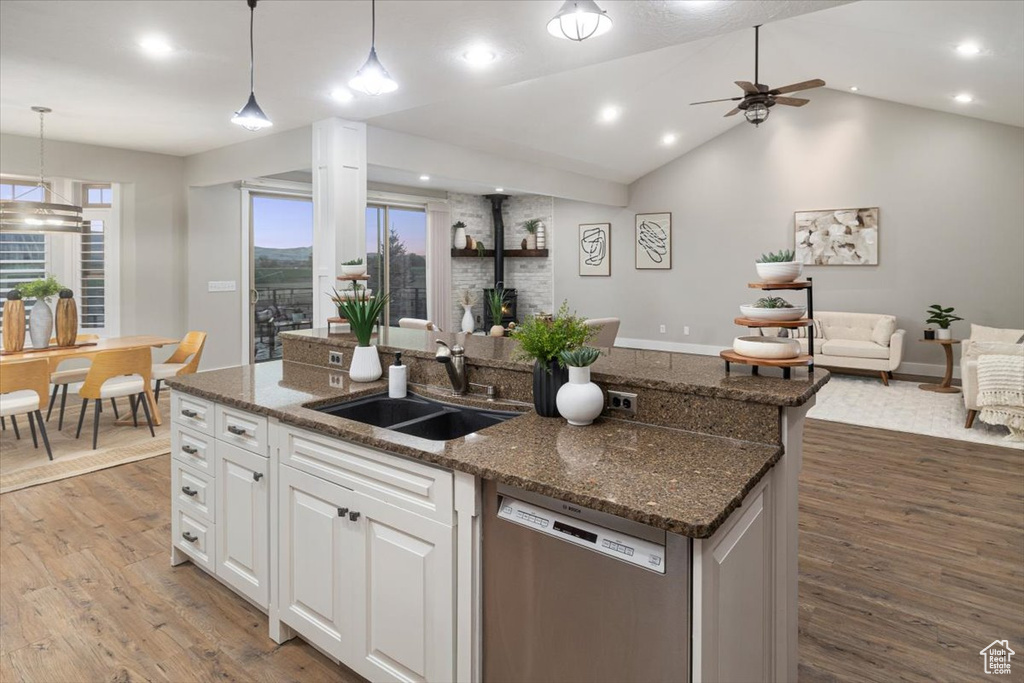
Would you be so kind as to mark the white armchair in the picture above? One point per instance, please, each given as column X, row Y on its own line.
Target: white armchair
column 983, row 340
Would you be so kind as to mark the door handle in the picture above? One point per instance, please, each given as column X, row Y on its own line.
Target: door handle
column 191, row 538
column 256, row 476
column 191, row 450
column 353, row 516
column 188, row 413
column 237, row 431
column 342, row 512
column 254, row 296
column 188, row 491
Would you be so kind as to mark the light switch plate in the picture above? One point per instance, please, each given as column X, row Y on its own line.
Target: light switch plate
column 221, row 286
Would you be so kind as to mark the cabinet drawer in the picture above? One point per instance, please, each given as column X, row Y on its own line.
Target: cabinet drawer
column 194, row 537
column 406, row 484
column 193, row 412
column 242, row 429
column 193, row 491
column 192, row 448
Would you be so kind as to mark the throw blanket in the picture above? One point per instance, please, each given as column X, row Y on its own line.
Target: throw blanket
column 1001, row 392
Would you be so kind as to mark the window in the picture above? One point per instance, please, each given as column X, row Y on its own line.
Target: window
column 401, row 268
column 93, row 292
column 23, row 191
column 22, row 259
column 97, row 196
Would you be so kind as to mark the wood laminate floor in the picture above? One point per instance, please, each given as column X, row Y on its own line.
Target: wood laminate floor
column 911, row 561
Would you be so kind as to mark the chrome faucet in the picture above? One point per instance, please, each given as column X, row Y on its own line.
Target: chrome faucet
column 454, row 360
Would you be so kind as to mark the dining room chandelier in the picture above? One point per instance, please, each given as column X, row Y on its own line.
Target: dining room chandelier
column 43, row 216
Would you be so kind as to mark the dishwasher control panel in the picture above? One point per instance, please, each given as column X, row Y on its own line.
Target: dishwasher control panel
column 637, row 551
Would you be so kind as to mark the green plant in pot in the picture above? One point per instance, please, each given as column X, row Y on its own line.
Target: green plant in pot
column 943, row 317
column 543, row 341
column 531, row 227
column 780, row 266
column 362, row 312
column 353, row 268
column 579, row 400
column 496, row 305
column 40, row 322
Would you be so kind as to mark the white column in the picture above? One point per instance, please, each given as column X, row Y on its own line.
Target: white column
column 339, row 206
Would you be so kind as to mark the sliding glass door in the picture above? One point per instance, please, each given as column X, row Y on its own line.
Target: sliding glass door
column 396, row 258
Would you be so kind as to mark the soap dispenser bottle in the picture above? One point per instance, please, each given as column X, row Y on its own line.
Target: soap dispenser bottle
column 398, row 378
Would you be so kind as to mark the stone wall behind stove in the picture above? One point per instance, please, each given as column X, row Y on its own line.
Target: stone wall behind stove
column 531, row 277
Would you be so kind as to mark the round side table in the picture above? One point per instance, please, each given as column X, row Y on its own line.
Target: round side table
column 944, row 386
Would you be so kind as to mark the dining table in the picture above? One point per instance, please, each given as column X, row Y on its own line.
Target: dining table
column 85, row 350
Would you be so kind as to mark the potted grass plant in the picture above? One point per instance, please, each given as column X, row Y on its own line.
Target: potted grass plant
column 531, row 227
column 40, row 321
column 542, row 341
column 363, row 314
column 496, row 304
column 579, row 400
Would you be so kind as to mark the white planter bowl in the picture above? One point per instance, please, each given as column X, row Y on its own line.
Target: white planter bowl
column 349, row 271
column 785, row 271
column 766, row 348
column 755, row 313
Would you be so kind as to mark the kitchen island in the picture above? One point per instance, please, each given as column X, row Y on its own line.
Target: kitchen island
column 709, row 461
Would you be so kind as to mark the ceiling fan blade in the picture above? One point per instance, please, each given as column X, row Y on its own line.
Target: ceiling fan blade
column 734, row 111
column 727, row 99
column 791, row 101
column 748, row 87
column 806, row 85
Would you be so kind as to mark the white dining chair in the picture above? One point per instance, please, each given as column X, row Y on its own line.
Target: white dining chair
column 607, row 331
column 23, row 392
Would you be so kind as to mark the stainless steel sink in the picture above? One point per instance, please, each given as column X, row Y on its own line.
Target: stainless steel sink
column 418, row 416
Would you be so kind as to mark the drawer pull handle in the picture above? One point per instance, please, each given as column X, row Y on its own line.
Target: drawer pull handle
column 353, row 516
column 256, row 476
column 238, row 431
column 191, row 450
column 342, row 512
column 191, row 538
column 189, row 413
column 188, row 491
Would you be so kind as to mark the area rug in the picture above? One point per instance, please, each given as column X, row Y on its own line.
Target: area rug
column 22, row 466
column 902, row 407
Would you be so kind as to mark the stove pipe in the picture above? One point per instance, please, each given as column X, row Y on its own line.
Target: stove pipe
column 499, row 237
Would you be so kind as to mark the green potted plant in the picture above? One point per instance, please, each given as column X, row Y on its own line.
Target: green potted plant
column 362, row 312
column 459, row 241
column 773, row 308
column 496, row 305
column 531, row 226
column 943, row 317
column 40, row 321
column 579, row 400
column 542, row 341
column 780, row 266
column 353, row 268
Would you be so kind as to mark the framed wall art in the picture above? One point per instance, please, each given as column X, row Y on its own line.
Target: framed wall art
column 836, row 237
column 595, row 249
column 653, row 241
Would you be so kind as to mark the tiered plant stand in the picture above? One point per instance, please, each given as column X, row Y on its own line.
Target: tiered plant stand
column 337, row 320
column 803, row 360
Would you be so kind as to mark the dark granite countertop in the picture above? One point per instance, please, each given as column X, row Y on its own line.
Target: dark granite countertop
column 682, row 372
column 680, row 481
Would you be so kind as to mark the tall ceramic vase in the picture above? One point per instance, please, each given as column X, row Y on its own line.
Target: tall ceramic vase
column 542, row 240
column 67, row 319
column 14, row 322
column 460, row 238
column 580, row 401
column 40, row 324
column 365, row 366
column 547, row 380
column 468, row 324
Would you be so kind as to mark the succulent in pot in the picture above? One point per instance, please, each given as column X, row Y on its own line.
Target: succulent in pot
column 773, row 308
column 353, row 268
column 363, row 314
column 943, row 317
column 579, row 400
column 778, row 267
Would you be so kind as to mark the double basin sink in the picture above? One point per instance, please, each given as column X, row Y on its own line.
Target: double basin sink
column 418, row 416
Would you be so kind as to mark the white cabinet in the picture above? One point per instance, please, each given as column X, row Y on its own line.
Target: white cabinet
column 242, row 503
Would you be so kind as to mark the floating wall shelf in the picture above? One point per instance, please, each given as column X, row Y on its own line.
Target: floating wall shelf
column 509, row 253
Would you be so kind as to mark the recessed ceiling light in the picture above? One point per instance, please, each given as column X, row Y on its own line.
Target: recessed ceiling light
column 854, row 88
column 610, row 113
column 342, row 95
column 155, row 45
column 479, row 56
column 669, row 139
column 499, row 189
column 424, row 177
column 964, row 98
column 968, row 49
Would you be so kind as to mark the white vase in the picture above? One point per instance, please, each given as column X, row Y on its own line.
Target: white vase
column 467, row 319
column 460, row 238
column 542, row 240
column 365, row 366
column 40, row 324
column 941, row 333
column 580, row 401
column 531, row 241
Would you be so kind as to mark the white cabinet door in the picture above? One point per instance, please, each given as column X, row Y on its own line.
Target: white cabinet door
column 315, row 582
column 243, row 524
column 403, row 625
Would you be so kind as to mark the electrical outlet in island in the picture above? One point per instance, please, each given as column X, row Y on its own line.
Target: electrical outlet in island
column 622, row 401
column 335, row 358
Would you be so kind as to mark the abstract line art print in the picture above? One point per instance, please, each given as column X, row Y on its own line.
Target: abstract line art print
column 654, row 241
column 596, row 249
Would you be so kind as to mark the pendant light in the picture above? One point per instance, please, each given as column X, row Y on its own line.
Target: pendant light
column 19, row 215
column 372, row 78
column 579, row 20
column 251, row 117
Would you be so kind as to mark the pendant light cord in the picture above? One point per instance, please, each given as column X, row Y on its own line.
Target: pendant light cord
column 373, row 24
column 42, row 156
column 252, row 59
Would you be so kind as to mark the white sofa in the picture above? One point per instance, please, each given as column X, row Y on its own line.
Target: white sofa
column 983, row 340
column 856, row 341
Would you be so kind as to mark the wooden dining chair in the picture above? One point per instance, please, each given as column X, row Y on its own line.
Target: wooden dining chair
column 184, row 360
column 60, row 379
column 23, row 388
column 116, row 374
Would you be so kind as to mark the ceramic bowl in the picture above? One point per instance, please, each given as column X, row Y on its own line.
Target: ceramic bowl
column 769, row 348
column 755, row 313
column 350, row 271
column 785, row 271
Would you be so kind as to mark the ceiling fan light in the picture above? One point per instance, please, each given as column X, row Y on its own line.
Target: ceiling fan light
column 372, row 78
column 578, row 20
column 756, row 113
column 251, row 117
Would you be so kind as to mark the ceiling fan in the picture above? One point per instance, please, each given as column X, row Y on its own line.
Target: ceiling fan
column 758, row 98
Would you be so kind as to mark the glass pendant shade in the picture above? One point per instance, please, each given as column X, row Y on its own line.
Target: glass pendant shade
column 251, row 117
column 372, row 78
column 579, row 20
column 756, row 113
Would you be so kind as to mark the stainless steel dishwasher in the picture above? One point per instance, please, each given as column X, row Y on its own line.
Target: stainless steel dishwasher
column 571, row 594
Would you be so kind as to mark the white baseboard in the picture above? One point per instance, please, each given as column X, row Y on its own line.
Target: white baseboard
column 927, row 369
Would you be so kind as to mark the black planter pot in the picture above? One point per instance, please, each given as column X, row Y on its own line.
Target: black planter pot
column 547, row 380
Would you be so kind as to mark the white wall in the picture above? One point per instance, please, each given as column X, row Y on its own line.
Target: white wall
column 951, row 196
column 153, row 222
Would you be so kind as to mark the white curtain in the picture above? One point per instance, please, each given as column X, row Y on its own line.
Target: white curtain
column 439, row 259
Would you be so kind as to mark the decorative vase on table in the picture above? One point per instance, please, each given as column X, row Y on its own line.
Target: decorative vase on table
column 365, row 366
column 40, row 324
column 547, row 380
column 14, row 322
column 580, row 401
column 67, row 318
column 467, row 319
column 460, row 238
column 944, row 333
